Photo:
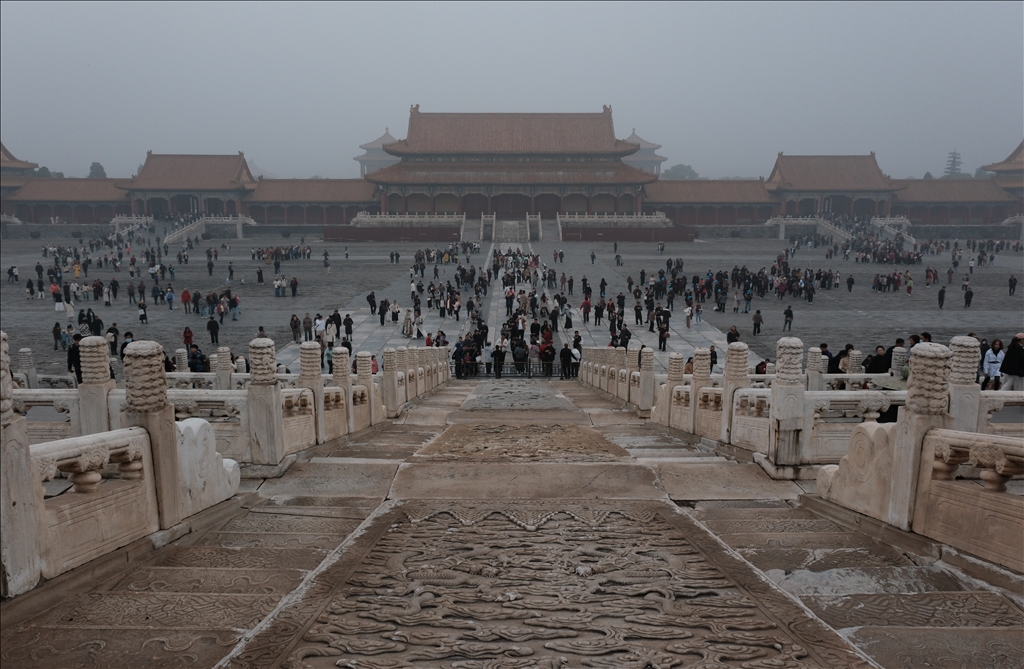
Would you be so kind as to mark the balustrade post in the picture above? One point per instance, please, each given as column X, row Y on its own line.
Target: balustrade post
column 701, row 379
column 146, row 397
column 645, row 401
column 263, row 400
column 310, row 376
column 927, row 408
column 964, row 391
column 899, row 359
column 816, row 366
column 736, row 356
column 181, row 360
column 223, row 366
column 364, row 377
column 389, row 382
column 27, row 366
column 19, row 499
column 402, row 392
column 621, row 362
column 342, row 378
column 93, row 414
column 786, row 423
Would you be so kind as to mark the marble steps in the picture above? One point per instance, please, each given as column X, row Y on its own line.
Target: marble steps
column 897, row 608
column 193, row 599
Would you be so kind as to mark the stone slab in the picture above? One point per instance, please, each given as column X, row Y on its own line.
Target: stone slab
column 59, row 647
column 427, row 416
column 235, row 558
column 742, row 504
column 203, row 580
column 770, row 525
column 866, row 580
column 732, row 513
column 525, row 481
column 516, row 395
column 952, row 648
column 812, row 540
column 509, row 417
column 823, row 559
column 919, row 609
column 718, row 481
column 522, row 443
column 272, row 540
column 165, row 610
column 348, row 480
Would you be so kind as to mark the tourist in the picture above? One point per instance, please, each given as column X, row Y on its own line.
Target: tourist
column 296, row 327
column 75, row 358
column 733, row 335
column 186, row 337
column 942, row 296
column 1012, row 368
column 213, row 327
column 758, row 321
column 991, row 364
column 788, row 323
column 143, row 318
column 58, row 337
column 968, row 296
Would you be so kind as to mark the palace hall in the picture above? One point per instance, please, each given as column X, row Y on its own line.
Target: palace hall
column 511, row 165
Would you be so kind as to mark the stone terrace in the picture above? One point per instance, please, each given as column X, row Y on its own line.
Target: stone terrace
column 558, row 530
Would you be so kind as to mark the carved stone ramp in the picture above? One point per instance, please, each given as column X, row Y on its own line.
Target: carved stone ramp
column 899, row 608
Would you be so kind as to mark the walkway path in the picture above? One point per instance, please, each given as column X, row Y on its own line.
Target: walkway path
column 516, row 523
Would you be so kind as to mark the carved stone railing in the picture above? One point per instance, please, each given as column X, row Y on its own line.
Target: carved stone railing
column 191, row 380
column 991, row 403
column 226, row 411
column 855, row 381
column 708, row 421
column 751, row 418
column 364, row 220
column 92, row 520
column 998, row 458
column 655, row 220
column 299, row 419
column 64, row 402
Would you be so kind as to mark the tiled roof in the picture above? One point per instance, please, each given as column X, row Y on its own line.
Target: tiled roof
column 952, row 191
column 72, row 190
column 193, row 172
column 8, row 161
column 704, row 191
column 1013, row 163
column 827, row 173
column 386, row 138
column 312, row 191
column 644, row 144
column 503, row 134
column 510, row 173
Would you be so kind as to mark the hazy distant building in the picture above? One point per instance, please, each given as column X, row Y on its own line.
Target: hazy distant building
column 13, row 172
column 645, row 159
column 375, row 158
column 1010, row 172
column 510, row 165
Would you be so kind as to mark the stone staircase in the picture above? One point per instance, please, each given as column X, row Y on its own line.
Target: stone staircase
column 899, row 608
column 195, row 598
column 511, row 232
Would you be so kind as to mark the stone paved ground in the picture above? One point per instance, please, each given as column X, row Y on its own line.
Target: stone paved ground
column 469, row 534
column 864, row 319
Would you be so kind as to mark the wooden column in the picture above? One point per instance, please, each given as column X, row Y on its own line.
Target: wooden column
column 383, row 203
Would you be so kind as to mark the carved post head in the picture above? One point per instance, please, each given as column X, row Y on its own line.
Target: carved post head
column 262, row 362
column 676, row 364
column 647, row 360
column 144, row 379
column 95, row 363
column 928, row 385
column 364, row 368
column 6, row 385
column 390, row 359
column 814, row 360
column 633, row 358
column 872, row 403
column 853, row 366
column 788, row 356
column 899, row 358
column 736, row 362
column 342, row 365
column 240, row 364
column 25, row 361
column 309, row 359
column 181, row 360
column 224, row 362
column 702, row 364
column 966, row 352
column 402, row 358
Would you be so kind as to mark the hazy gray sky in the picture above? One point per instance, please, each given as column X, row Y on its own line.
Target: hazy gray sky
column 723, row 87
